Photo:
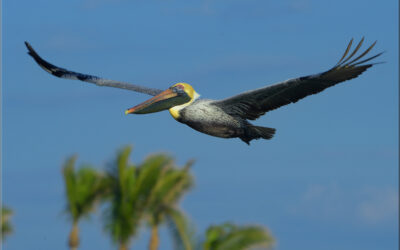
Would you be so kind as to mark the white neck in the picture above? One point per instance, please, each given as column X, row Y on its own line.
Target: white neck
column 174, row 111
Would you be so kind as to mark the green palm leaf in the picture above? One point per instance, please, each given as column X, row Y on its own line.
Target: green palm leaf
column 150, row 191
column 231, row 237
column 182, row 231
column 6, row 228
column 83, row 189
column 122, row 216
column 169, row 186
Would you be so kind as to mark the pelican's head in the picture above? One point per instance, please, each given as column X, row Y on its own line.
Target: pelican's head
column 178, row 95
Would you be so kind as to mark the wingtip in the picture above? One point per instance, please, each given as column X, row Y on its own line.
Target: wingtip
column 31, row 51
column 345, row 52
column 28, row 46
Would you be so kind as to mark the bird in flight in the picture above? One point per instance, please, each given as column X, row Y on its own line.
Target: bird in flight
column 228, row 118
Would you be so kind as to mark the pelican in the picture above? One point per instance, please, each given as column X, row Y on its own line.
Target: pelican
column 228, row 118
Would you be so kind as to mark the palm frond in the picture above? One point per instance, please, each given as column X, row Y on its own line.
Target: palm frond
column 181, row 229
column 231, row 237
column 6, row 227
column 171, row 184
column 150, row 172
column 70, row 186
column 83, row 187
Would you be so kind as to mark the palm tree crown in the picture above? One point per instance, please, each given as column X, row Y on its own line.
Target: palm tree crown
column 149, row 192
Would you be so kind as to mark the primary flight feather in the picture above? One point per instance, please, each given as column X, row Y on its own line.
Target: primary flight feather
column 227, row 118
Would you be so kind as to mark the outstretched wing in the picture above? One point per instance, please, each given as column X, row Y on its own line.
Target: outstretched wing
column 64, row 73
column 252, row 104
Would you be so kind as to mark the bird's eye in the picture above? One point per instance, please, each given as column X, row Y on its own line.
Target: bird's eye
column 178, row 89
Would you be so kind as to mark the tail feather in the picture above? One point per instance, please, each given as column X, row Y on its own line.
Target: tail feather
column 264, row 132
column 257, row 132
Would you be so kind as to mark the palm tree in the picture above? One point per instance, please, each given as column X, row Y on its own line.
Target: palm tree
column 168, row 184
column 125, row 209
column 6, row 227
column 231, row 237
column 83, row 190
column 149, row 191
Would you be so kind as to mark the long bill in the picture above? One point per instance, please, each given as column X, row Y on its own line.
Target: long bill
column 165, row 100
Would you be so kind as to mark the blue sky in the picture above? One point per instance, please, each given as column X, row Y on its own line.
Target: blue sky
column 328, row 179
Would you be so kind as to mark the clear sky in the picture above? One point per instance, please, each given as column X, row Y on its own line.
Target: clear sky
column 328, row 179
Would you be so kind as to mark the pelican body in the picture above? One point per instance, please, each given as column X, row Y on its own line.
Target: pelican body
column 207, row 118
column 203, row 115
column 228, row 118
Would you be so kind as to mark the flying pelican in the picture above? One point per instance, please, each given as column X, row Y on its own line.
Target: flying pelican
column 228, row 118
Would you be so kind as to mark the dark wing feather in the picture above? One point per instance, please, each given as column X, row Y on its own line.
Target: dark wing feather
column 64, row 73
column 252, row 104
